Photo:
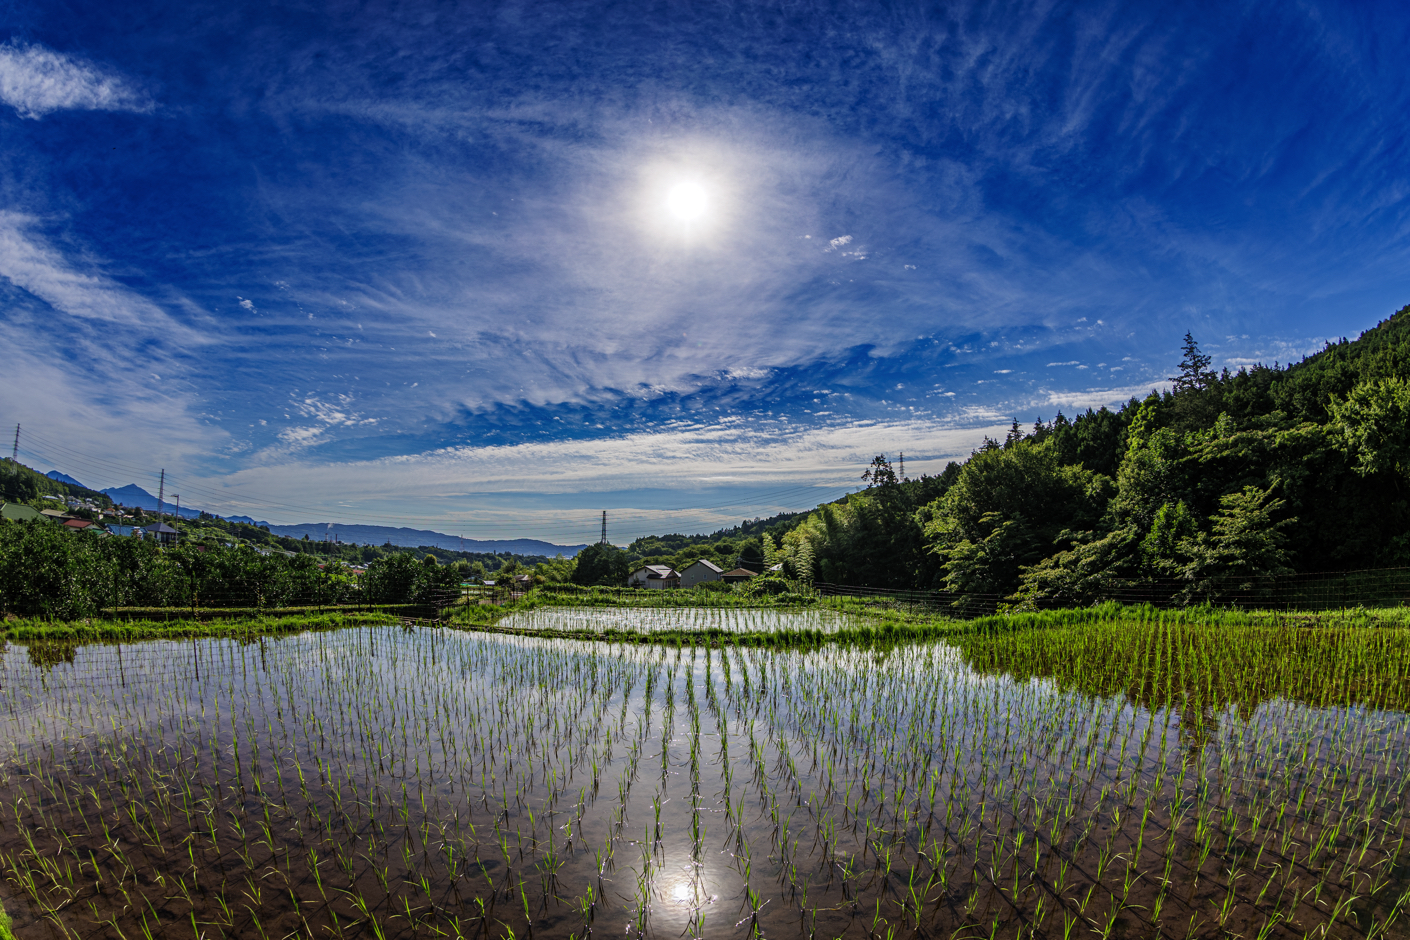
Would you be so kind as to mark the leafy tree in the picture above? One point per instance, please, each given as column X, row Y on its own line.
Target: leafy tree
column 600, row 564
column 557, row 570
column 436, row 585
column 1373, row 422
column 1244, row 547
column 391, row 579
column 1173, row 529
column 1009, row 508
column 879, row 473
column 771, row 556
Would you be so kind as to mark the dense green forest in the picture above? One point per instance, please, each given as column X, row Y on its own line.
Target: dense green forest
column 1214, row 486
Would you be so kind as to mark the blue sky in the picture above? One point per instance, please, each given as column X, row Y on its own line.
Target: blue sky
column 418, row 262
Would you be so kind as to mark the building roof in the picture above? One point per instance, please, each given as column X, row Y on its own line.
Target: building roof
column 740, row 573
column 657, row 571
column 56, row 514
column 164, row 529
column 19, row 512
column 708, row 564
column 77, row 523
column 777, row 567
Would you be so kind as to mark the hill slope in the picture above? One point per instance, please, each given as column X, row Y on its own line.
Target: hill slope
column 416, row 538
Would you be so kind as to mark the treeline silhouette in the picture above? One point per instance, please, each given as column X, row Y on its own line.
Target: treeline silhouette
column 55, row 573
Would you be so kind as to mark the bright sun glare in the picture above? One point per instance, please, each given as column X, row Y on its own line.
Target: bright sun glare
column 686, row 201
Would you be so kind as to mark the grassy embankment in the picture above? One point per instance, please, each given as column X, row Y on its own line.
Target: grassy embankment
column 125, row 631
column 1203, row 659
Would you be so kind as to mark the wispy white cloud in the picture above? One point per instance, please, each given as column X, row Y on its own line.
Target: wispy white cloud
column 683, row 456
column 1095, row 397
column 111, row 415
column 30, row 262
column 36, row 81
column 91, row 360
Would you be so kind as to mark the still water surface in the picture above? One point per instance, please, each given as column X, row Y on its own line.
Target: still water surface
column 384, row 782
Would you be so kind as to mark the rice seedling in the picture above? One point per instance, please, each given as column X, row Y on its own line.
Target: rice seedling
column 1117, row 772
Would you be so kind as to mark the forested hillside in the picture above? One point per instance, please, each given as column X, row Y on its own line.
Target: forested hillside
column 1224, row 480
column 20, row 484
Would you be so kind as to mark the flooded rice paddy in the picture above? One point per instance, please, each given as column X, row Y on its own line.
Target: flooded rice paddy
column 679, row 620
column 387, row 782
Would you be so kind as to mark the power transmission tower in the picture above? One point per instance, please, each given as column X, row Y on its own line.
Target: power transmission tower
column 603, row 540
column 903, row 467
column 15, row 451
column 161, row 493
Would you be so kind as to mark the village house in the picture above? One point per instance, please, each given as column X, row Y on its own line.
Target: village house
column 163, row 533
column 738, row 575
column 655, row 577
column 699, row 572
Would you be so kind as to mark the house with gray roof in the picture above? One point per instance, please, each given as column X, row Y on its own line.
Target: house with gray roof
column 698, row 572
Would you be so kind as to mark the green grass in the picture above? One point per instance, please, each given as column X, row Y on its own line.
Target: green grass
column 1202, row 659
column 124, row 631
column 5, row 932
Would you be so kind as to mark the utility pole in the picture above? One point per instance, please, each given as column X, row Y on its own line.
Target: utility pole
column 161, row 494
column 603, row 540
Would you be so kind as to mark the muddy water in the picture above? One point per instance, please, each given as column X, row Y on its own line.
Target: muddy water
column 390, row 783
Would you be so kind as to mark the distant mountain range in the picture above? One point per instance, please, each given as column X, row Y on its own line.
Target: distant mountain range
column 413, row 538
column 63, row 478
column 134, row 495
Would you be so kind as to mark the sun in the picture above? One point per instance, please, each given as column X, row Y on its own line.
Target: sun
column 686, row 201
